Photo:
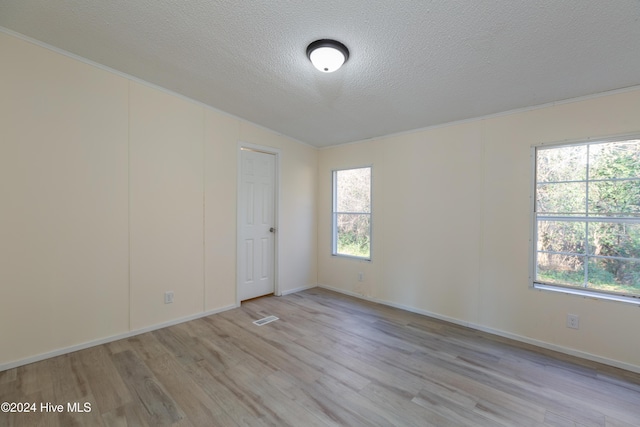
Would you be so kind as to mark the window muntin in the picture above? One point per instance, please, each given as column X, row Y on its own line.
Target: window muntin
column 587, row 217
column 352, row 213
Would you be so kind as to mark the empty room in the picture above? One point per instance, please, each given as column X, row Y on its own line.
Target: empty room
column 337, row 213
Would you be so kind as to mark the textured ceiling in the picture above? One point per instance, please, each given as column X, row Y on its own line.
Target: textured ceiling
column 413, row 64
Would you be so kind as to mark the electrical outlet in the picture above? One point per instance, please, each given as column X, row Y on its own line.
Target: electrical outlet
column 360, row 276
column 168, row 297
column 573, row 321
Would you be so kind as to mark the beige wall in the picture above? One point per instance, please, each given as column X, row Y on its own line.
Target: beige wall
column 166, row 184
column 297, row 205
column 64, row 243
column 451, row 213
column 113, row 192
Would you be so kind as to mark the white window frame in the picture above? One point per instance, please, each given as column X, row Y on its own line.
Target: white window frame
column 334, row 214
column 533, row 261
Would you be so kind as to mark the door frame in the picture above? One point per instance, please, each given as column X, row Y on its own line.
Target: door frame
column 276, row 217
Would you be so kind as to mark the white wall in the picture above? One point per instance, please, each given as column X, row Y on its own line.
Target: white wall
column 451, row 227
column 113, row 192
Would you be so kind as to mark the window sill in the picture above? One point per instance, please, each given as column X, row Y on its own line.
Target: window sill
column 587, row 294
column 358, row 258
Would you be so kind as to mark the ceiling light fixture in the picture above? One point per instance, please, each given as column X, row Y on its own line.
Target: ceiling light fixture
column 327, row 55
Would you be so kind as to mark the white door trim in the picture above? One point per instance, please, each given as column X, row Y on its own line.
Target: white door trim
column 277, row 153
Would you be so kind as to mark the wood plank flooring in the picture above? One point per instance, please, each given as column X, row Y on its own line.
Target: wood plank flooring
column 331, row 360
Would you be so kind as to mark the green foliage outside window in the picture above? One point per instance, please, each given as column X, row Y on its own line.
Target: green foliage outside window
column 588, row 216
column 352, row 212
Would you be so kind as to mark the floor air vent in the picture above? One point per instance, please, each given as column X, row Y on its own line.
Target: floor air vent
column 265, row 320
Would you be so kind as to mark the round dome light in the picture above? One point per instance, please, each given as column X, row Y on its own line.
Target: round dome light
column 327, row 55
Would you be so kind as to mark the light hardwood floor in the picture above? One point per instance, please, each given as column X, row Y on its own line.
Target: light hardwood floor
column 330, row 360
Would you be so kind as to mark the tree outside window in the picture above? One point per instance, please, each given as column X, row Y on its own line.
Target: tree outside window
column 352, row 212
column 587, row 216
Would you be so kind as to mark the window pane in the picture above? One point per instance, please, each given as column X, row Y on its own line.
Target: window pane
column 561, row 236
column 609, row 259
column 353, row 234
column 562, row 164
column 560, row 269
column 614, row 198
column 354, row 190
column 612, row 275
column 614, row 160
column 614, row 239
column 564, row 198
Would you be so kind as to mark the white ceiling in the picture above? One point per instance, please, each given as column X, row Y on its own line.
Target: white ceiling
column 413, row 64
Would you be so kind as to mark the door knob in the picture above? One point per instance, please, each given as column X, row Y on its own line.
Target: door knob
column 272, row 230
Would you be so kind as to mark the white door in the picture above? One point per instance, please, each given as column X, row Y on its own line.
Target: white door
column 257, row 224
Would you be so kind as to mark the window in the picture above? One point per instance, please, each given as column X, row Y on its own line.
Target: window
column 352, row 212
column 587, row 218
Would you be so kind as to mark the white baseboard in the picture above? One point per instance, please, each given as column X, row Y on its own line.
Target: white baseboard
column 300, row 289
column 527, row 340
column 93, row 343
column 498, row 332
